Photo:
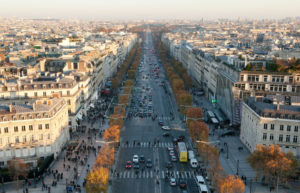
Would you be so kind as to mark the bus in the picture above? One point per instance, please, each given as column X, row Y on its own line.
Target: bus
column 182, row 151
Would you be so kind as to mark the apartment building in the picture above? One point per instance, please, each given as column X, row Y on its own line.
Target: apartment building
column 32, row 131
column 270, row 121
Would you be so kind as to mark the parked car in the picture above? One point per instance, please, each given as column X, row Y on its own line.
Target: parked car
column 169, row 165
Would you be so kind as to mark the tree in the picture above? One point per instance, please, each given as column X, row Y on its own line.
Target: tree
column 230, row 184
column 105, row 156
column 273, row 163
column 127, row 90
column 128, row 83
column 131, row 74
column 123, row 99
column 119, row 110
column 18, row 169
column 116, row 119
column 112, row 133
column 194, row 113
column 97, row 180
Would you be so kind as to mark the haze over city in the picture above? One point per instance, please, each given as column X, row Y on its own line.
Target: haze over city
column 154, row 9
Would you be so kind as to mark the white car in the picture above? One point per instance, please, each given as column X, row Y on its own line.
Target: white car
column 167, row 128
column 135, row 159
column 173, row 182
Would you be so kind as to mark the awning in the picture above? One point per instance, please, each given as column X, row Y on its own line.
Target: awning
column 79, row 116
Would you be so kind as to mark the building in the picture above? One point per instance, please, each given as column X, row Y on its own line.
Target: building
column 32, row 131
column 271, row 121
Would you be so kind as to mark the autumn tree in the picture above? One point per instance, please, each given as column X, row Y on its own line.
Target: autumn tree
column 97, row 180
column 127, row 90
column 105, row 156
column 119, row 110
column 194, row 113
column 231, row 184
column 131, row 74
column 112, row 133
column 273, row 163
column 18, row 169
column 116, row 119
column 123, row 99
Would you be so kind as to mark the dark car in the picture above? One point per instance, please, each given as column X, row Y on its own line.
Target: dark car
column 166, row 134
column 169, row 165
column 149, row 163
column 161, row 123
column 136, row 166
column 182, row 184
column 180, row 138
column 142, row 159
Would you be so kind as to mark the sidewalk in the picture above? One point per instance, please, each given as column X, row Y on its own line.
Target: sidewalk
column 58, row 164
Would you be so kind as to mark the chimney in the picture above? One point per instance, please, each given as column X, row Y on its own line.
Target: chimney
column 278, row 106
column 10, row 108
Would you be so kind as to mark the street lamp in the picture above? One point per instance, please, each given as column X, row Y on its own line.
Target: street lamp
column 207, row 143
column 2, row 178
column 237, row 167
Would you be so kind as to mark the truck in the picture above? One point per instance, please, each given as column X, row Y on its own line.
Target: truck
column 191, row 154
column 182, row 151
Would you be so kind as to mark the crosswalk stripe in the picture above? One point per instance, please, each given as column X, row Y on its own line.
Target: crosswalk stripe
column 151, row 174
column 162, row 174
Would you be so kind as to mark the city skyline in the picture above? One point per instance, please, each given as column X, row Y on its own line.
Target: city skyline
column 134, row 9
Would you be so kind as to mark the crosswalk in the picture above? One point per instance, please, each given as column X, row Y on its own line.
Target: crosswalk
column 131, row 173
column 150, row 118
column 146, row 144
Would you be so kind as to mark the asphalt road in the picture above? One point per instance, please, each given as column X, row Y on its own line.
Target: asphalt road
column 139, row 134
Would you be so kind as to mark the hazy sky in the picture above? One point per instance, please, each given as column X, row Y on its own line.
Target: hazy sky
column 150, row 9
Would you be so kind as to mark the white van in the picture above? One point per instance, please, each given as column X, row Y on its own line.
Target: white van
column 200, row 180
column 191, row 154
column 193, row 163
column 203, row 188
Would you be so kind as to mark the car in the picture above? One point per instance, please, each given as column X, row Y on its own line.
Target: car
column 135, row 159
column 167, row 128
column 172, row 181
column 171, row 153
column 175, row 141
column 180, row 138
column 160, row 123
column 142, row 159
column 173, row 158
column 171, row 148
column 136, row 166
column 128, row 165
column 169, row 165
column 166, row 134
column 182, row 184
column 149, row 163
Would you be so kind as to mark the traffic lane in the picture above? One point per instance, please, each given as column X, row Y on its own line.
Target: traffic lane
column 133, row 185
column 138, row 129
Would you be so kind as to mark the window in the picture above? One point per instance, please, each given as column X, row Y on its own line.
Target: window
column 41, row 137
column 26, row 95
column 288, row 128
column 265, row 78
column 264, row 136
column 272, row 126
column 265, row 126
column 49, row 136
column 296, row 129
column 69, row 102
column 17, row 139
column 1, row 141
column 24, row 139
column 30, row 127
column 68, row 92
column 32, row 137
column 23, row 128
column 242, row 77
column 35, row 94
column 281, row 127
column 44, row 94
column 47, row 126
column 271, row 137
column 280, row 138
column 40, row 126
column 5, row 129
column 295, row 139
column 287, row 139
column 16, row 129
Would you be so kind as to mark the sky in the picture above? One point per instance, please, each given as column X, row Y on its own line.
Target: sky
column 150, row 9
